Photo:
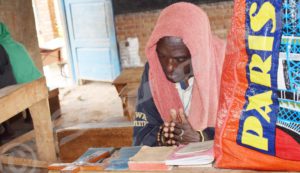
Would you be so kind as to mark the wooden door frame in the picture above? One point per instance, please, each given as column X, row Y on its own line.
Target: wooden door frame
column 74, row 72
column 70, row 53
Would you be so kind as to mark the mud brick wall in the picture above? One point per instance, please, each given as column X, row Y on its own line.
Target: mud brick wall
column 45, row 16
column 141, row 24
column 18, row 16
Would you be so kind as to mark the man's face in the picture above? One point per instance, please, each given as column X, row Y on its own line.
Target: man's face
column 175, row 59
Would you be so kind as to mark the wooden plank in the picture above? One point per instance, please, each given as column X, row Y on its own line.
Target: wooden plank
column 127, row 85
column 119, row 87
column 50, row 56
column 51, row 51
column 54, row 103
column 9, row 160
column 78, row 141
column 33, row 95
column 67, row 167
column 23, row 138
column 43, row 129
column 81, row 166
column 130, row 90
column 128, row 96
column 17, row 98
column 92, row 167
column 17, row 141
column 178, row 170
column 81, row 137
column 53, row 93
column 128, row 75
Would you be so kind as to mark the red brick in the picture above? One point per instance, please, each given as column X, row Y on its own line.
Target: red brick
column 141, row 24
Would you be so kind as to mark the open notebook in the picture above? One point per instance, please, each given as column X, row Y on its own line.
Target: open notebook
column 199, row 153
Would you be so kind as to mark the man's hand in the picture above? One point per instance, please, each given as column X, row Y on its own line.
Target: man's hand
column 164, row 136
column 178, row 131
column 183, row 132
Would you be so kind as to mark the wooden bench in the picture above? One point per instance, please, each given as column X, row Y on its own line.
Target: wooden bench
column 51, row 51
column 127, row 84
column 16, row 98
column 174, row 170
column 50, row 56
column 74, row 141
column 128, row 96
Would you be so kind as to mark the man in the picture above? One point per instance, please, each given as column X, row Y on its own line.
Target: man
column 16, row 67
column 24, row 70
column 178, row 97
column 6, row 78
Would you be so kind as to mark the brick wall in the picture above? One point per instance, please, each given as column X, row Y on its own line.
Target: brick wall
column 46, row 20
column 127, row 25
column 141, row 24
column 18, row 16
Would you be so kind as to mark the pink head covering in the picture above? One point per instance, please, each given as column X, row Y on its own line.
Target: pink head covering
column 190, row 23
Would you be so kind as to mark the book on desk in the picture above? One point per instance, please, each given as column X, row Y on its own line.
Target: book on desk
column 143, row 158
column 193, row 154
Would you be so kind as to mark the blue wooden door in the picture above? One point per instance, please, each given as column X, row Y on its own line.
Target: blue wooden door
column 92, row 39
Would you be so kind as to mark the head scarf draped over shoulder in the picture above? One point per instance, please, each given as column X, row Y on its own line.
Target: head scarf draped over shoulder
column 23, row 68
column 190, row 23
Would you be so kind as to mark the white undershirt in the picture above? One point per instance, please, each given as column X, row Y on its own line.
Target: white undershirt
column 185, row 95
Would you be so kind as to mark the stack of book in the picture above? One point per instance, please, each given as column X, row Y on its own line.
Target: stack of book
column 119, row 159
column 198, row 154
column 151, row 159
column 141, row 158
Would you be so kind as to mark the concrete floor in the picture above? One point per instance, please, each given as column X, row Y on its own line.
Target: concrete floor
column 88, row 103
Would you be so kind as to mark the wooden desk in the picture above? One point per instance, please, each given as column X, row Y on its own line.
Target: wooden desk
column 178, row 170
column 74, row 141
column 128, row 75
column 51, row 51
column 128, row 95
column 33, row 95
column 127, row 84
column 50, row 56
